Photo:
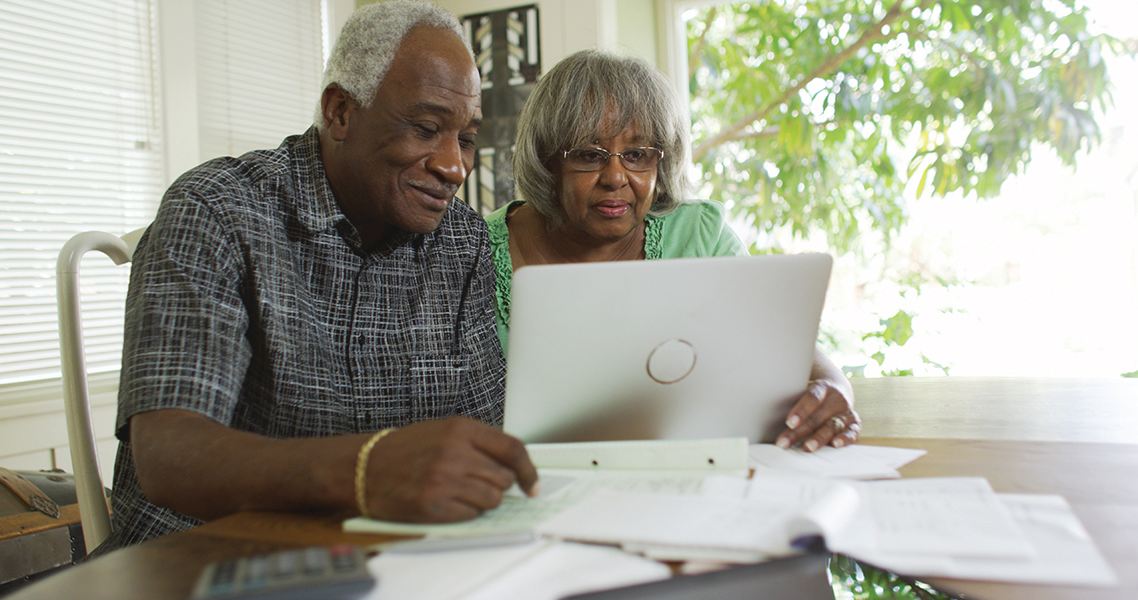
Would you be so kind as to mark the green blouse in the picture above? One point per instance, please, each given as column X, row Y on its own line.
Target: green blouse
column 692, row 230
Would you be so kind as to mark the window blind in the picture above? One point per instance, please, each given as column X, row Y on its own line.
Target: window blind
column 260, row 63
column 79, row 150
column 81, row 144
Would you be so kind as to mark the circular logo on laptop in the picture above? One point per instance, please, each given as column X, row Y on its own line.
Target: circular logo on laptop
column 671, row 361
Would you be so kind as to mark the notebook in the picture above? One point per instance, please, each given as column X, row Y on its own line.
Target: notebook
column 667, row 349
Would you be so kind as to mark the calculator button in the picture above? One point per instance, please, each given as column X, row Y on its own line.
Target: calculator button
column 333, row 573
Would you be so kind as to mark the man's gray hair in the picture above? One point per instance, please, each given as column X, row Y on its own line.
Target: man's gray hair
column 369, row 40
column 567, row 109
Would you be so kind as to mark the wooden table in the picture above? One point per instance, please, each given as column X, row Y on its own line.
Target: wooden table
column 1000, row 408
column 1097, row 477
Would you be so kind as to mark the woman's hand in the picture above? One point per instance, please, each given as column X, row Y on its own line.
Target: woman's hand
column 824, row 414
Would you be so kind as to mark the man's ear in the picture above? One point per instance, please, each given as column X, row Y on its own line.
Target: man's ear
column 335, row 109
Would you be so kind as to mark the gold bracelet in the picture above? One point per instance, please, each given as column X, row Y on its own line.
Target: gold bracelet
column 361, row 470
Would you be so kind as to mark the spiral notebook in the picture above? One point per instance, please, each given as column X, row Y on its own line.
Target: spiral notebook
column 668, row 349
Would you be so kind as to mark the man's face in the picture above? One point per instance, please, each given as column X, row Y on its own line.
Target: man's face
column 406, row 155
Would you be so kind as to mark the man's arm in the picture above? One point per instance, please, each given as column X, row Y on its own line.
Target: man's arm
column 825, row 413
column 433, row 471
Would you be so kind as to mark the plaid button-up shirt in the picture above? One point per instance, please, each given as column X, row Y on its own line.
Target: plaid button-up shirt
column 251, row 302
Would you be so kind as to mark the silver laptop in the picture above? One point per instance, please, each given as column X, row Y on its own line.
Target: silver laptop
column 667, row 349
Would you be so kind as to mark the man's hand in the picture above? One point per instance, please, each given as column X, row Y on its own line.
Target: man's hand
column 443, row 471
column 434, row 471
column 824, row 414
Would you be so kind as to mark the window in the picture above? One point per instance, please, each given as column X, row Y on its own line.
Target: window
column 873, row 134
column 82, row 142
column 259, row 65
column 80, row 149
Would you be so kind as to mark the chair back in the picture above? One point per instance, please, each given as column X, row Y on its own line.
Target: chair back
column 93, row 511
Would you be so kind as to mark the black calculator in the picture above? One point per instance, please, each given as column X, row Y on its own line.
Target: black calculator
column 328, row 573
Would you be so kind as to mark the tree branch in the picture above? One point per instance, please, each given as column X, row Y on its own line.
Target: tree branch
column 771, row 131
column 767, row 132
column 698, row 46
column 830, row 65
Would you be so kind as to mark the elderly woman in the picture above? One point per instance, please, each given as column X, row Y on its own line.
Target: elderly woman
column 600, row 164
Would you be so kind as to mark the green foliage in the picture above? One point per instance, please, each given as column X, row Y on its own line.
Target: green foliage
column 811, row 116
column 857, row 581
column 896, row 331
column 817, row 118
column 1130, row 374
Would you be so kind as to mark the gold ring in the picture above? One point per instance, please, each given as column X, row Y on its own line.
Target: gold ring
column 837, row 424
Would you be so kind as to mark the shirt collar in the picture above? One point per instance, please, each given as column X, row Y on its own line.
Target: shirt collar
column 316, row 208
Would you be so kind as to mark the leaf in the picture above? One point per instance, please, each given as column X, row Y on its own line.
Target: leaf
column 921, row 182
column 898, row 328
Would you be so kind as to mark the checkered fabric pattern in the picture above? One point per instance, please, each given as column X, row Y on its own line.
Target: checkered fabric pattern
column 252, row 302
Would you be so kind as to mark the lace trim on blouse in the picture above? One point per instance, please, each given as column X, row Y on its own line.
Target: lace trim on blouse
column 503, row 265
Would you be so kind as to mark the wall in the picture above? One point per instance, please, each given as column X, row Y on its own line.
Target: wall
column 33, row 433
column 626, row 26
column 637, row 29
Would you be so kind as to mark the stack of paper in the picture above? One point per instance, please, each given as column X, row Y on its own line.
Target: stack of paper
column 956, row 527
column 572, row 472
column 691, row 500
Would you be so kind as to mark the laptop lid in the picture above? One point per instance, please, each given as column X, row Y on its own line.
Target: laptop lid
column 803, row 577
column 668, row 349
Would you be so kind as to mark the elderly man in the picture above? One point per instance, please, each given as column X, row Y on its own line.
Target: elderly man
column 312, row 327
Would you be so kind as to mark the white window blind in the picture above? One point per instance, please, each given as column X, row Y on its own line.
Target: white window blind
column 260, row 64
column 81, row 144
column 79, row 150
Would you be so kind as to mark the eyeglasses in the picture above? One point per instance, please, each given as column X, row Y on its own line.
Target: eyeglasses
column 595, row 159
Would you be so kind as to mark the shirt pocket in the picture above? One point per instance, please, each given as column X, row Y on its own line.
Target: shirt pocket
column 437, row 385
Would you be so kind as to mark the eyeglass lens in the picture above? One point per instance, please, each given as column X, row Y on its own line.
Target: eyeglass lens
column 595, row 159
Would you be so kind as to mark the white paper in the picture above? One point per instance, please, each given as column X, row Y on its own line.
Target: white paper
column 788, row 492
column 679, row 521
column 566, row 569
column 928, row 515
column 570, row 472
column 887, row 455
column 537, row 571
column 1064, row 554
column 851, row 462
column 519, row 514
column 935, row 516
column 443, row 575
column 947, row 516
column 833, row 512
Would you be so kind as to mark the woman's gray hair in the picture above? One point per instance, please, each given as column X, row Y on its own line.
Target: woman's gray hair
column 569, row 106
column 369, row 40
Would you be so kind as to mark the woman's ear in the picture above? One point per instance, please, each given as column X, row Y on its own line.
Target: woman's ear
column 336, row 106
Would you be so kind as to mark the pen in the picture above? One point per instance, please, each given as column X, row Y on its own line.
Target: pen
column 443, row 544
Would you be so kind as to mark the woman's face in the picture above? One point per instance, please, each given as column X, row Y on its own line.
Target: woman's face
column 608, row 204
